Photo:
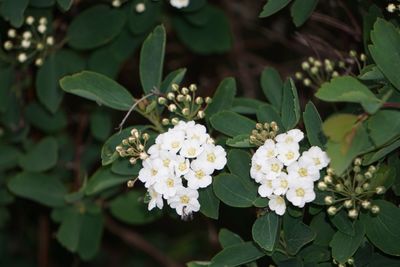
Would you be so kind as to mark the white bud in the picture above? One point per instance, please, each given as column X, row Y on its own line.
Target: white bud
column 307, row 82
column 380, row 190
column 170, row 96
column 8, row 45
column 353, row 214
column 391, row 8
column 208, row 100
column 348, row 203
column 26, row 43
column 201, row 114
column 328, row 200
column 143, row 155
column 322, row 186
column 40, row 46
column 332, row 210
column 27, row 35
column 375, row 209
column 140, row 7
column 50, row 40
column 22, row 57
column 12, row 33
column 172, row 107
column 43, row 21
column 175, row 121
column 39, row 62
column 305, row 65
column 42, row 28
column 185, row 111
column 192, row 87
column 29, row 20
column 298, row 75
column 185, row 91
column 162, row 100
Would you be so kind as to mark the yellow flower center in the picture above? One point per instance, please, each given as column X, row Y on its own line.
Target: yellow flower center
column 289, row 155
column 192, row 151
column 317, row 161
column 300, row 192
column 199, row 174
column 182, row 166
column 275, row 167
column 154, row 172
column 280, row 200
column 211, row 157
column 166, row 162
column 270, row 153
column 284, row 183
column 170, row 182
column 258, row 167
column 303, row 172
column 185, row 199
column 175, row 144
column 289, row 140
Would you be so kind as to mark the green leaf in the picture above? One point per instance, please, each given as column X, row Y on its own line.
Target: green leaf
column 103, row 179
column 268, row 113
column 13, row 11
column 231, row 124
column 41, row 157
column 236, row 255
column 343, row 223
column 9, row 156
column 65, row 4
column 239, row 162
column 265, row 231
column 46, row 190
column 349, row 89
column 81, row 232
column 95, row 26
column 380, row 153
column 173, row 77
column 152, row 60
column 338, row 126
column 228, row 238
column 385, row 49
column 301, row 10
column 240, row 141
column 314, row 254
column 323, row 229
column 130, row 208
column 344, row 246
column 212, row 37
column 290, row 109
column 99, row 88
column 209, row 203
column 243, row 105
column 272, row 86
column 313, row 124
column 297, row 234
column 223, row 97
column 234, row 191
column 384, row 126
column 56, row 65
column 122, row 166
column 100, row 125
column 273, row 6
column 6, row 81
column 40, row 118
column 383, row 229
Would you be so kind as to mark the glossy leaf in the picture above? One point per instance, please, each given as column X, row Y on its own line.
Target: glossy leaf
column 41, row 157
column 273, row 6
column 236, row 255
column 209, row 203
column 344, row 246
column 272, row 86
column 103, row 179
column 223, row 97
column 265, row 231
column 231, row 124
column 301, row 10
column 313, row 124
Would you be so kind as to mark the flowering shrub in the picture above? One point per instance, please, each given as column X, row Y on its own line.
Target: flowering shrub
column 103, row 148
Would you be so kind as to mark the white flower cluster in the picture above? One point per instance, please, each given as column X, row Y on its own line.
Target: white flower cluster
column 282, row 172
column 180, row 162
column 179, row 3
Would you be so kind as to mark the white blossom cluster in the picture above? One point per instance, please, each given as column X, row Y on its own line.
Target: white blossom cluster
column 181, row 161
column 283, row 172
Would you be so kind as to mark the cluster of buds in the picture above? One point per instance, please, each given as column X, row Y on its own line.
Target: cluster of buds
column 315, row 72
column 184, row 103
column 351, row 191
column 134, row 146
column 392, row 7
column 349, row 262
column 32, row 42
column 262, row 132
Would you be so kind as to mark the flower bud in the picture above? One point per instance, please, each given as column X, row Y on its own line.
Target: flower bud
column 192, row 87
column 274, row 126
column 356, row 169
column 42, row 28
column 375, row 209
column 185, row 112
column 372, row 169
column 363, row 57
column 119, row 148
column 161, row 100
column 314, row 70
column 25, row 43
column 140, row 7
column 330, row 171
column 180, row 98
column 201, row 114
column 339, row 187
column 307, row 82
column 322, row 186
column 175, row 87
column 8, row 45
column 130, row 183
column 353, row 214
column 259, row 126
column 188, row 98
column 298, row 75
column 328, row 200
column 365, row 186
column 172, row 107
column 359, row 177
column 29, row 20
column 368, row 175
column 366, row 204
column 335, row 74
column 357, row 161
column 50, row 40
column 125, row 142
column 43, row 21
column 171, row 96
column 22, row 57
column 350, row 261
column 165, row 121
column 140, row 147
column 380, row 190
column 135, row 132
column 175, row 121
column 332, row 210
column 199, row 100
column 27, row 35
column 12, row 33
column 317, row 63
column 353, row 53
column 358, row 190
column 328, row 179
column 39, row 62
column 185, row 90
column 143, row 155
column 208, row 100
column 348, row 204
column 145, row 136
column 305, row 65
column 39, row 46
column 130, row 151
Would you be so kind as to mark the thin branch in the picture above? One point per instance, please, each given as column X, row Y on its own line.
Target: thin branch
column 135, row 240
column 335, row 23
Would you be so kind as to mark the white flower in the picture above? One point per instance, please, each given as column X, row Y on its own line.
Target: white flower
column 391, row 7
column 155, row 199
column 181, row 166
column 168, row 185
column 281, row 184
column 154, row 150
column 288, row 154
column 153, row 170
column 213, row 156
column 196, row 132
column 256, row 171
column 272, row 168
column 185, row 201
column 168, row 159
column 173, row 140
column 265, row 189
column 179, row 3
column 277, row 204
column 315, row 156
column 190, row 149
column 304, row 171
column 267, row 151
column 292, row 137
column 199, row 175
column 300, row 193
